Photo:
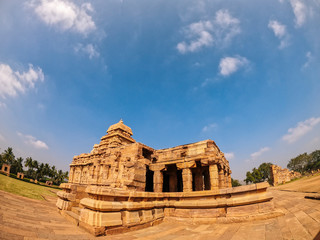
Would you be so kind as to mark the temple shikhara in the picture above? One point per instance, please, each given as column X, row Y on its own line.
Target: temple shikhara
column 123, row 185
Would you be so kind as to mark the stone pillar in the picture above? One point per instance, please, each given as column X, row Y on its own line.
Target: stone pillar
column 221, row 178
column 226, row 181
column 214, row 176
column 187, row 179
column 157, row 181
column 229, row 180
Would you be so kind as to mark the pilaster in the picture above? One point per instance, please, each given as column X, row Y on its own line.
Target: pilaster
column 214, row 176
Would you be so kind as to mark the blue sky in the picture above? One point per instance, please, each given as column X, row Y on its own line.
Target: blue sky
column 242, row 73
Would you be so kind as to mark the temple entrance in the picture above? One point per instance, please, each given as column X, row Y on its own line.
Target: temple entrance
column 172, row 179
column 200, row 178
column 149, row 180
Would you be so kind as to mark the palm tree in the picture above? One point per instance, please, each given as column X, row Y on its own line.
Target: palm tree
column 8, row 156
column 40, row 171
column 17, row 165
column 66, row 175
column 53, row 173
column 29, row 165
column 35, row 164
column 61, row 176
column 28, row 162
column 46, row 170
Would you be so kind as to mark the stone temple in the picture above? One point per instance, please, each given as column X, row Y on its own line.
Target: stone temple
column 124, row 185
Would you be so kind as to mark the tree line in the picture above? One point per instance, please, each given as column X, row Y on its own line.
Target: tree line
column 36, row 170
column 303, row 163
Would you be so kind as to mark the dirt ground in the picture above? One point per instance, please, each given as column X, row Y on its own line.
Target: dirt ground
column 310, row 184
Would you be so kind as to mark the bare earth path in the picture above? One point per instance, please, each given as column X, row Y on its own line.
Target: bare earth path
column 306, row 184
column 23, row 218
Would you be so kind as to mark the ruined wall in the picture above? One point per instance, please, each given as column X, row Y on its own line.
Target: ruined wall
column 282, row 175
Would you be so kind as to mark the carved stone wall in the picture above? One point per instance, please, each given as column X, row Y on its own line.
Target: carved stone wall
column 119, row 161
column 121, row 184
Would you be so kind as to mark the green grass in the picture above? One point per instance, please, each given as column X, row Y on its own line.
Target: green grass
column 25, row 189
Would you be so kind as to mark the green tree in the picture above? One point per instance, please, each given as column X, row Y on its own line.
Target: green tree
column 8, row 156
column 35, row 166
column 28, row 164
column 235, row 182
column 40, row 171
column 299, row 163
column 249, row 178
column 257, row 175
column 53, row 173
column 46, row 169
column 314, row 163
column 265, row 170
column 17, row 165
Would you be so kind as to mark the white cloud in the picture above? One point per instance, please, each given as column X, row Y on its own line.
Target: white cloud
column 300, row 11
column 309, row 58
column 209, row 127
column 65, row 15
column 204, row 33
column 229, row 156
column 280, row 31
column 227, row 26
column 259, row 153
column 30, row 140
column 3, row 105
column 200, row 33
column 87, row 49
column 301, row 129
column 11, row 83
column 229, row 65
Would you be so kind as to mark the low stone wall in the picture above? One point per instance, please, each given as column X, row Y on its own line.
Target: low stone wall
column 105, row 210
column 282, row 175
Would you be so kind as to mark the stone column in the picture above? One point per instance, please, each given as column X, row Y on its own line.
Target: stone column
column 226, row 181
column 221, row 178
column 187, row 179
column 157, row 181
column 229, row 180
column 214, row 176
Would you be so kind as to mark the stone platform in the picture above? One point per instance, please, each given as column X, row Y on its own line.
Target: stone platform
column 23, row 218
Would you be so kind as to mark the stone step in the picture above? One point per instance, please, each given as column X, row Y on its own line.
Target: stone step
column 76, row 210
column 71, row 216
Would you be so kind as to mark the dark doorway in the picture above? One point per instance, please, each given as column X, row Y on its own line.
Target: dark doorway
column 146, row 153
column 149, row 180
column 165, row 187
column 172, row 179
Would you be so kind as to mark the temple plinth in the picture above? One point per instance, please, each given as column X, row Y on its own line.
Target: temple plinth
column 122, row 183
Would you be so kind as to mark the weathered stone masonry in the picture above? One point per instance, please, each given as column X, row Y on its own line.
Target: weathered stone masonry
column 121, row 184
column 119, row 161
column 282, row 175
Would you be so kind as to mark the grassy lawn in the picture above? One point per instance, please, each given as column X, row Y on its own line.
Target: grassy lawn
column 25, row 189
